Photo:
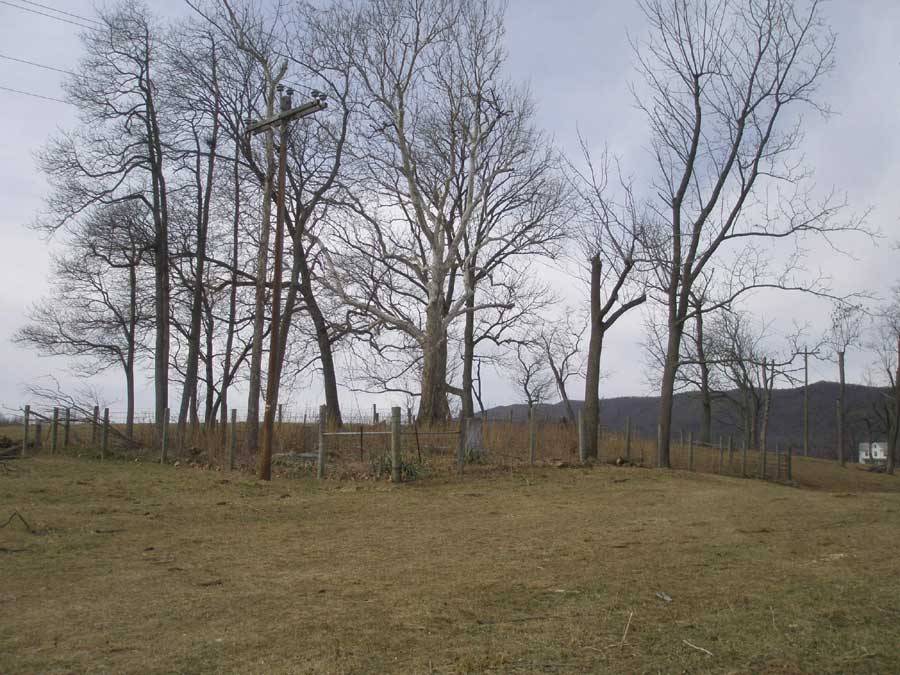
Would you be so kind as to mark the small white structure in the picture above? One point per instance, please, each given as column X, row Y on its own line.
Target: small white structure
column 871, row 453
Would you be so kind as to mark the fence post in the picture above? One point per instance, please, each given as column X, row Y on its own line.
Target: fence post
column 681, row 435
column 164, row 451
column 104, row 444
column 409, row 416
column 374, row 413
column 790, row 469
column 67, row 420
column 744, row 457
column 232, row 440
column 721, row 454
column 777, row 462
column 320, row 463
column 690, row 451
column 461, row 447
column 94, row 427
column 38, row 435
column 730, row 450
column 395, row 444
column 658, row 445
column 531, row 436
column 582, row 445
column 25, row 420
column 53, row 431
column 628, row 438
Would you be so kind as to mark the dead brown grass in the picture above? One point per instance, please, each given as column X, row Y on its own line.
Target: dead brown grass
column 142, row 568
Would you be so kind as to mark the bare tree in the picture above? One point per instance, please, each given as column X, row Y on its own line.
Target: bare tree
column 444, row 142
column 885, row 342
column 529, row 371
column 845, row 332
column 611, row 238
column 560, row 343
column 97, row 311
column 118, row 152
column 726, row 84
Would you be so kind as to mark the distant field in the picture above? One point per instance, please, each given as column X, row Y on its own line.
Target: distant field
column 136, row 568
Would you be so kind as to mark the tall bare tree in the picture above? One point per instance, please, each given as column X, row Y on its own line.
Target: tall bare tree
column 118, row 152
column 726, row 84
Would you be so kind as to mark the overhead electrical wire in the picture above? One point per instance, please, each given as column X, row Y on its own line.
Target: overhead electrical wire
column 28, row 93
column 34, row 63
column 60, row 11
column 49, row 16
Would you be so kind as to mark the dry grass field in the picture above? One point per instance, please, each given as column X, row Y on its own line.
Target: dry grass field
column 132, row 567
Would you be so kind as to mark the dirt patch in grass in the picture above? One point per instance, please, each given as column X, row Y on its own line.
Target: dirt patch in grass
column 142, row 568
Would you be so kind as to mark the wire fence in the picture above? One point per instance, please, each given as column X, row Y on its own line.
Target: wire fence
column 373, row 444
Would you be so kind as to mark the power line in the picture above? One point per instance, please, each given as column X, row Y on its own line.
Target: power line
column 50, row 16
column 59, row 11
column 28, row 93
column 38, row 65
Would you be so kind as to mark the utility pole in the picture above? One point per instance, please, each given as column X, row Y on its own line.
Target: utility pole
column 281, row 120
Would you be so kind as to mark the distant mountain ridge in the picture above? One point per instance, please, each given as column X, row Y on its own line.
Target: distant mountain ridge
column 785, row 420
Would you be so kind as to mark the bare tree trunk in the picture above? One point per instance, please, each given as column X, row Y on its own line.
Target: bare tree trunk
column 323, row 341
column 468, row 403
column 667, row 393
column 705, row 395
column 591, row 410
column 841, row 411
column 895, row 423
column 129, row 355
column 433, row 405
column 805, row 403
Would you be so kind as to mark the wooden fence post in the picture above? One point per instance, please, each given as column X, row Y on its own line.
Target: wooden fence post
column 744, row 457
column 777, row 462
column 721, row 454
column 395, row 444
column 461, row 446
column 374, row 413
column 790, row 468
column 628, row 438
column 67, row 420
column 730, row 450
column 53, row 431
column 681, row 435
column 164, row 450
column 531, row 435
column 232, row 440
column 582, row 441
column 320, row 463
column 94, row 427
column 409, row 416
column 104, row 443
column 658, row 445
column 690, row 451
column 26, row 418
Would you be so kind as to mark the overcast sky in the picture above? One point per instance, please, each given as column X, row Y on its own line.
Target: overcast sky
column 577, row 59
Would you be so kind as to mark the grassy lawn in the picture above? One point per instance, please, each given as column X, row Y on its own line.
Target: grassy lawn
column 134, row 567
